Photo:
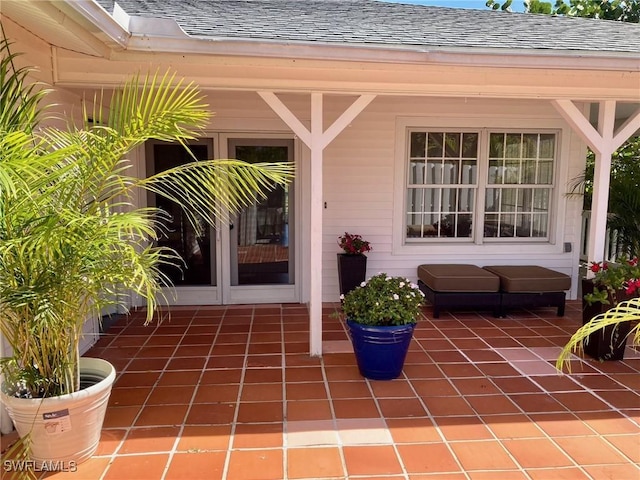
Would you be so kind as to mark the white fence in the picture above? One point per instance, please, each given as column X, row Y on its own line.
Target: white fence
column 612, row 248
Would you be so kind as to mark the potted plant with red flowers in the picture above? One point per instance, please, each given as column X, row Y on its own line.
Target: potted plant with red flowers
column 626, row 312
column 352, row 263
column 611, row 284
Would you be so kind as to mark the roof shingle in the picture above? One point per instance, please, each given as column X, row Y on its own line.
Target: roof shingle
column 378, row 23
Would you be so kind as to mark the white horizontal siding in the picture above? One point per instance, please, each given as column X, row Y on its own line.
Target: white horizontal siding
column 359, row 171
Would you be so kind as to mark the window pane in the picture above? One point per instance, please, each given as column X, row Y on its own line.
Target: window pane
column 511, row 171
column 525, row 200
column 492, row 200
column 434, row 147
column 529, row 171
column 547, row 146
column 507, row 225
column 491, row 225
column 430, row 227
column 466, row 199
column 469, row 145
column 523, row 225
column 418, row 143
column 545, row 172
column 434, row 172
column 415, row 198
column 451, row 172
column 541, row 200
column 496, row 145
column 530, row 145
column 452, row 145
column 469, row 172
column 508, row 200
column 513, row 147
column 496, row 172
column 540, row 223
column 416, row 172
column 414, row 225
column 432, row 200
column 449, row 199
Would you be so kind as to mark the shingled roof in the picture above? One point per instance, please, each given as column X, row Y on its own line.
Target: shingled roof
column 391, row 25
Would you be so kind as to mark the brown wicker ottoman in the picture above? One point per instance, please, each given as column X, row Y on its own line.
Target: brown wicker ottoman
column 524, row 286
column 452, row 286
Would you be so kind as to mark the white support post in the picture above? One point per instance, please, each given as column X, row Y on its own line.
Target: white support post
column 601, row 179
column 315, row 303
column 316, row 139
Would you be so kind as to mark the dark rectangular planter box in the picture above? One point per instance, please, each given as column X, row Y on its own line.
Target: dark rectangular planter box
column 610, row 342
column 352, row 271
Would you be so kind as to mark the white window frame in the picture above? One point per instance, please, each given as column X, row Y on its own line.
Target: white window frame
column 459, row 186
column 552, row 244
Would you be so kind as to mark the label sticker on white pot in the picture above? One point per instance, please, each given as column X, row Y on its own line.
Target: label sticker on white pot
column 57, row 422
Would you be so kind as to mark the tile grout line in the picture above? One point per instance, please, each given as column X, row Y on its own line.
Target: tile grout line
column 176, row 442
column 234, row 422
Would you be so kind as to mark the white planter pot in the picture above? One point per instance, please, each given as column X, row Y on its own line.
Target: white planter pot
column 65, row 429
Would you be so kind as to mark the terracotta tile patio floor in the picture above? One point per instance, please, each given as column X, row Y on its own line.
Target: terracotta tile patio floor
column 231, row 393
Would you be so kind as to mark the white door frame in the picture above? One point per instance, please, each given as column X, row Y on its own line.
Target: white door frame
column 223, row 292
column 242, row 294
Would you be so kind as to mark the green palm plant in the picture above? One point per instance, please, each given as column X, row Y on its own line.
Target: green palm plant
column 627, row 311
column 71, row 236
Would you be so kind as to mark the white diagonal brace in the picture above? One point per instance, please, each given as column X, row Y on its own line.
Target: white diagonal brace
column 579, row 123
column 287, row 116
column 627, row 129
column 346, row 118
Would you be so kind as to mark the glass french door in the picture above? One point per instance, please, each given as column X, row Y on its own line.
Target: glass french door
column 196, row 282
column 262, row 235
column 250, row 259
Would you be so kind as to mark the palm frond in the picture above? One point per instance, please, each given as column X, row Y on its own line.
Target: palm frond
column 211, row 188
column 627, row 311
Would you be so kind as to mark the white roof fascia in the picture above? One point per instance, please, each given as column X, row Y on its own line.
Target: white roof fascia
column 386, row 54
column 114, row 27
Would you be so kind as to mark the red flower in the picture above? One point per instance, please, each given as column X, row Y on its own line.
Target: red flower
column 596, row 267
column 632, row 286
column 633, row 262
column 353, row 244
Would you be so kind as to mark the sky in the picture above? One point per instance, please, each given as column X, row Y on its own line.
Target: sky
column 517, row 5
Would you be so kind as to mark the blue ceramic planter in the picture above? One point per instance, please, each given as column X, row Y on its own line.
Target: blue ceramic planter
column 380, row 351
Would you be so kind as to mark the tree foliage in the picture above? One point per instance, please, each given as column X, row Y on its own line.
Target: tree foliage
column 620, row 10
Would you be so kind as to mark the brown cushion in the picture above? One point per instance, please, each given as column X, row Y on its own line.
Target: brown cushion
column 530, row 279
column 458, row 278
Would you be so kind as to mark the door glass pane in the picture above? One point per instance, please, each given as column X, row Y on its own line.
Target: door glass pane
column 191, row 242
column 261, row 242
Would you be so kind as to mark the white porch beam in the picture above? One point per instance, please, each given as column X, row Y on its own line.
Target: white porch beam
column 316, row 140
